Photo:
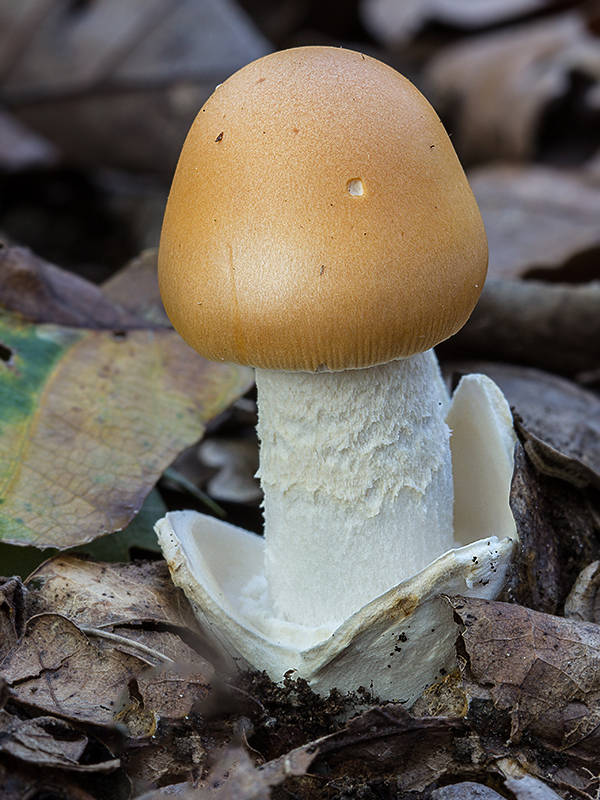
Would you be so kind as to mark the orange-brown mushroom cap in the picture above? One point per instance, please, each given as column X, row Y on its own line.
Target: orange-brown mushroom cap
column 319, row 218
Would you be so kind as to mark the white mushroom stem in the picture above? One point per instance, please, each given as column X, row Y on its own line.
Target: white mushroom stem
column 357, row 477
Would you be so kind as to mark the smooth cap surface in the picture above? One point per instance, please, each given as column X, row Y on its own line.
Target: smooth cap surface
column 319, row 218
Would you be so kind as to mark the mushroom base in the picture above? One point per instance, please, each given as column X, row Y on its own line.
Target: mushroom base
column 398, row 643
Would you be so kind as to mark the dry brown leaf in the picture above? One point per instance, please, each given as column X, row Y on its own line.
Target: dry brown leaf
column 119, row 81
column 382, row 741
column 12, row 614
column 495, row 89
column 558, row 529
column 540, row 222
column 90, row 419
column 543, row 670
column 134, row 609
column 180, row 755
column 49, row 742
column 24, row 781
column 55, row 669
column 583, row 602
column 173, row 693
column 99, row 595
column 553, row 327
column 135, row 288
column 42, row 292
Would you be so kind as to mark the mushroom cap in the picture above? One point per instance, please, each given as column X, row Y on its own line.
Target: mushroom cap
column 319, row 218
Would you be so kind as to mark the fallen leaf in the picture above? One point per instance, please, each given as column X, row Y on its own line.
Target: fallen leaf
column 101, row 595
column 132, row 609
column 48, row 742
column 90, row 420
column 21, row 148
column 543, row 670
column 55, row 669
column 235, row 776
column 24, row 781
column 178, row 752
column 540, row 222
column 135, row 288
column 558, row 421
column 138, row 537
column 558, row 530
column 494, row 90
column 549, row 326
column 394, row 23
column 173, row 693
column 119, row 82
column 12, row 614
column 583, row 602
column 42, row 292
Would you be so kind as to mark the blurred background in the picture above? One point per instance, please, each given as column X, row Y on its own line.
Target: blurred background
column 96, row 97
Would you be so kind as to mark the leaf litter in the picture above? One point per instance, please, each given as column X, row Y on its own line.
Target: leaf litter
column 91, row 418
column 164, row 720
column 176, row 711
column 504, row 83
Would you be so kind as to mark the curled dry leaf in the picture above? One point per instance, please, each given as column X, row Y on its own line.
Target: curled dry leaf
column 583, row 602
column 18, row 781
column 48, row 742
column 558, row 531
column 129, row 77
column 495, row 89
column 543, row 670
column 90, row 419
column 42, row 292
column 540, row 222
column 549, row 326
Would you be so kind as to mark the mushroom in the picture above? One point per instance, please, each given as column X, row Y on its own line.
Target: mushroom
column 321, row 229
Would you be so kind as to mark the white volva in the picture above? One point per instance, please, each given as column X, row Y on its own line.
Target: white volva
column 395, row 643
column 357, row 476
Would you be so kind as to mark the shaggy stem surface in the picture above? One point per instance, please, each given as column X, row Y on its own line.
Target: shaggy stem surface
column 357, row 477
